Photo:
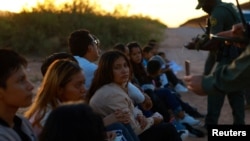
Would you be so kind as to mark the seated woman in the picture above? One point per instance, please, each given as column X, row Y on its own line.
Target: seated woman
column 115, row 121
column 56, row 88
column 109, row 93
column 63, row 86
column 135, row 93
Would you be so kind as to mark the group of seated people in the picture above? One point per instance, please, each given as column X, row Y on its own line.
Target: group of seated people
column 85, row 95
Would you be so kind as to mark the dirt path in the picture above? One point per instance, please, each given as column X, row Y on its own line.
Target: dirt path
column 173, row 47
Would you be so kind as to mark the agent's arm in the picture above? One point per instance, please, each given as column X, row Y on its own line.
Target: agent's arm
column 226, row 78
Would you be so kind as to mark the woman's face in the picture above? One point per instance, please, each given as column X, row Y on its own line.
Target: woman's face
column 121, row 71
column 136, row 55
column 75, row 89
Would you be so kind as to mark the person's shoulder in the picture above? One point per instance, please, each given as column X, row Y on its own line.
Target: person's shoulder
column 111, row 90
column 26, row 125
column 111, row 87
column 81, row 60
column 107, row 88
column 222, row 10
column 8, row 134
column 230, row 7
column 85, row 63
column 108, row 91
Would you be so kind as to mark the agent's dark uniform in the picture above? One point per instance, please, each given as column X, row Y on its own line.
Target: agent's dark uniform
column 230, row 78
column 222, row 17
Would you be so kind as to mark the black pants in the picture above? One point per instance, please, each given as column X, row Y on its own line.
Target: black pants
column 161, row 132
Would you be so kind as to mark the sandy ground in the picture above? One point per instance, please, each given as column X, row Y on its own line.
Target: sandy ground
column 173, row 47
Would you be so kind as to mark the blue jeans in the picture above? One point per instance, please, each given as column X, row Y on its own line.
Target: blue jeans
column 160, row 132
column 169, row 99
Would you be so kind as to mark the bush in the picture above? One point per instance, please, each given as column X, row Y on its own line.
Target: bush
column 45, row 29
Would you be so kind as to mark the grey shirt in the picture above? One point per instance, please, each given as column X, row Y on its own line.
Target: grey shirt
column 9, row 134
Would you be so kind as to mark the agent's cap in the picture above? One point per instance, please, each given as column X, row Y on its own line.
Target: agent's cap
column 200, row 4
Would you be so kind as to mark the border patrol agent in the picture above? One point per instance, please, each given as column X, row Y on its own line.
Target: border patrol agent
column 222, row 16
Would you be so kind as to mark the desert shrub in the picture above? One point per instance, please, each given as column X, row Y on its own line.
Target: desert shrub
column 45, row 29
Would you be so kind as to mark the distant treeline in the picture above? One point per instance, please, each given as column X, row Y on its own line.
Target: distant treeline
column 45, row 30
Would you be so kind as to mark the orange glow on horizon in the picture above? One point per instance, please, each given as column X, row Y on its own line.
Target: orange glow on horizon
column 171, row 13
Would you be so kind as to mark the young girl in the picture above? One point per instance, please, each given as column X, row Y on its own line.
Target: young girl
column 63, row 82
column 64, row 86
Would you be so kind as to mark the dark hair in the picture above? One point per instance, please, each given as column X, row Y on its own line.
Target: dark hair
column 161, row 53
column 58, row 75
column 153, row 66
column 50, row 59
column 10, row 61
column 139, row 70
column 79, row 41
column 105, row 66
column 152, row 42
column 133, row 44
column 120, row 47
column 147, row 49
column 73, row 122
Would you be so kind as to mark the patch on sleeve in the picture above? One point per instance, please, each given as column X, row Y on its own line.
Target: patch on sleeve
column 213, row 21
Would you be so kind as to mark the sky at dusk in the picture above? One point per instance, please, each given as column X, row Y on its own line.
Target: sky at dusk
column 171, row 12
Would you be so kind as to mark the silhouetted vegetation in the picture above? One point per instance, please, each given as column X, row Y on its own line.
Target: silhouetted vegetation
column 45, row 29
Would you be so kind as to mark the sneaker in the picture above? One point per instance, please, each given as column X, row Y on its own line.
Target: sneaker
column 190, row 120
column 183, row 134
column 180, row 88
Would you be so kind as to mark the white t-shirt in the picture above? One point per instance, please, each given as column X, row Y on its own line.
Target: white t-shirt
column 89, row 69
column 135, row 93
